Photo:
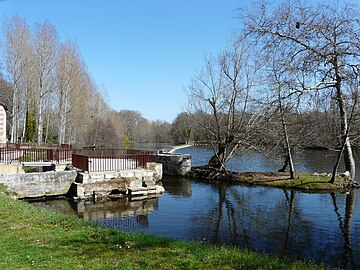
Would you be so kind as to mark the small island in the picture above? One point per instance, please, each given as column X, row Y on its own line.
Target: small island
column 306, row 182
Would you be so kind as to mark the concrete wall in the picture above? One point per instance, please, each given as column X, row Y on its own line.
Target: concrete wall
column 175, row 164
column 30, row 185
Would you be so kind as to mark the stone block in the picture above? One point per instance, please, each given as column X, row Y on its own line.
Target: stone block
column 32, row 185
column 95, row 176
column 136, row 183
column 60, row 167
column 127, row 173
column 160, row 189
column 15, row 168
column 110, row 175
column 82, row 177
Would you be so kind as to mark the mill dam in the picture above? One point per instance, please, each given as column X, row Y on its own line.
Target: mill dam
column 87, row 174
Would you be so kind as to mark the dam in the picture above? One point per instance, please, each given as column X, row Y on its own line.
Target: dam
column 88, row 174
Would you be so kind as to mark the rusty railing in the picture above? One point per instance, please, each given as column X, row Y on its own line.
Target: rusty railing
column 84, row 159
column 111, row 159
column 81, row 162
column 22, row 154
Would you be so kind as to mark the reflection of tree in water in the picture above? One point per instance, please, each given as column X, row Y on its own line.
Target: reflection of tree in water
column 255, row 219
column 345, row 227
column 177, row 186
column 210, row 227
column 273, row 221
column 290, row 200
column 230, row 214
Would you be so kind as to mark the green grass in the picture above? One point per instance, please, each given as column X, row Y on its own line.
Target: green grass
column 303, row 181
column 32, row 238
column 306, row 182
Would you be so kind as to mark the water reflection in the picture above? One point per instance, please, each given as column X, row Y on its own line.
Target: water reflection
column 126, row 214
column 290, row 200
column 345, row 227
column 178, row 186
column 320, row 227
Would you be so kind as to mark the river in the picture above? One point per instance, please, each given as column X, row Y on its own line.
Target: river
column 320, row 227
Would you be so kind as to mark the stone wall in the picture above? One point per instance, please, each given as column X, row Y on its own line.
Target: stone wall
column 11, row 168
column 137, row 182
column 30, row 185
column 94, row 185
column 175, row 164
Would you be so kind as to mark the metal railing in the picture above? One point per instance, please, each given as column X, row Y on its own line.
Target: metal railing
column 91, row 160
column 111, row 152
column 35, row 146
column 81, row 162
column 21, row 154
column 102, row 162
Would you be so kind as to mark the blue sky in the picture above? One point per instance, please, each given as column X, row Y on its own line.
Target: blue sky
column 143, row 52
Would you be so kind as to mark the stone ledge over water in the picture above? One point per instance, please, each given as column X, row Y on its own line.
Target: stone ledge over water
column 102, row 185
column 308, row 182
column 32, row 185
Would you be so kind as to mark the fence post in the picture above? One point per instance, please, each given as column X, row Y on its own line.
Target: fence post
column 50, row 154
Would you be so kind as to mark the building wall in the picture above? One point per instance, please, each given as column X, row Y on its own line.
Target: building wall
column 2, row 124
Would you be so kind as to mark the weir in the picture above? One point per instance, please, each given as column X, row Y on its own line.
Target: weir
column 91, row 176
column 82, row 185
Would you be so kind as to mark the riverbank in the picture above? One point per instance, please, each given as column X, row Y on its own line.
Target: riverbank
column 33, row 238
column 316, row 182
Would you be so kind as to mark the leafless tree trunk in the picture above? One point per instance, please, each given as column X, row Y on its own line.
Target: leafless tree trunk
column 287, row 141
column 46, row 44
column 322, row 48
column 220, row 100
column 17, row 54
column 68, row 72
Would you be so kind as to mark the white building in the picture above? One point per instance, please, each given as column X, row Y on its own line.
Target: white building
column 3, row 110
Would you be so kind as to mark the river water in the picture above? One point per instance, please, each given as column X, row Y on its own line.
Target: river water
column 320, row 227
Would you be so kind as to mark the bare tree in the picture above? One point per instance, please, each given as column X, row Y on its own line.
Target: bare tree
column 181, row 128
column 68, row 70
column 223, row 92
column 284, row 125
column 46, row 45
column 17, row 54
column 322, row 47
column 80, row 116
column 160, row 131
column 282, row 102
column 131, row 123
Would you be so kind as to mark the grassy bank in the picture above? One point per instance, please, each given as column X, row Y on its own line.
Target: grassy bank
column 303, row 181
column 32, row 238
